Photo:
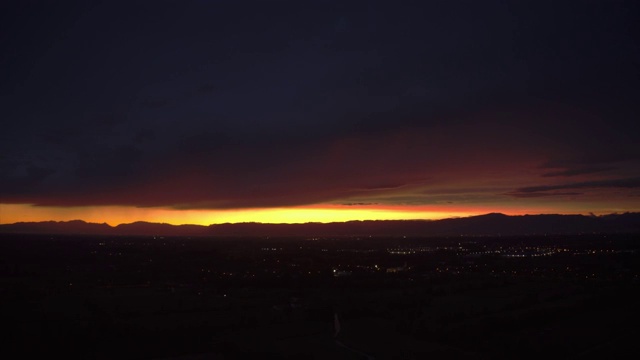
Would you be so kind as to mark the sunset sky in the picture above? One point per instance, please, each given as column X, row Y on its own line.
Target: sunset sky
column 208, row 112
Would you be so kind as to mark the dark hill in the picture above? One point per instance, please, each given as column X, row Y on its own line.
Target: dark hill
column 483, row 225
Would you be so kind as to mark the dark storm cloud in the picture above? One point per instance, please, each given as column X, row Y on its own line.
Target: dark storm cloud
column 546, row 190
column 24, row 176
column 542, row 194
column 578, row 171
column 382, row 187
column 234, row 104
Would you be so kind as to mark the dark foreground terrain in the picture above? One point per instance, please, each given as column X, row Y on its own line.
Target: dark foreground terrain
column 573, row 297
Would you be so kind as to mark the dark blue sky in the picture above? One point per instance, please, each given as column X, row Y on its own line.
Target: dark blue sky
column 224, row 104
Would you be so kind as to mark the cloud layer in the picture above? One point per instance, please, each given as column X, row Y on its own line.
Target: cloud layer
column 221, row 106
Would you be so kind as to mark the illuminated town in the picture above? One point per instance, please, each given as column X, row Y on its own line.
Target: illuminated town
column 456, row 296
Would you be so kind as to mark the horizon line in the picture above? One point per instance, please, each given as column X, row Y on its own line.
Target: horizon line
column 589, row 214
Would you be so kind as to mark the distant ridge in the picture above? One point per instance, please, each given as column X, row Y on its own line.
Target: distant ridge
column 482, row 225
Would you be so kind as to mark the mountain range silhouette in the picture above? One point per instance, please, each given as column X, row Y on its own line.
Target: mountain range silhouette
column 493, row 224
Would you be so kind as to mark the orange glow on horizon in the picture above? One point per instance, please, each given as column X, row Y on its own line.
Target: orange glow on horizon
column 114, row 215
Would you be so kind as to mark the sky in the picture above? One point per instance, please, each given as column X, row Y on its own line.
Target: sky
column 293, row 111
